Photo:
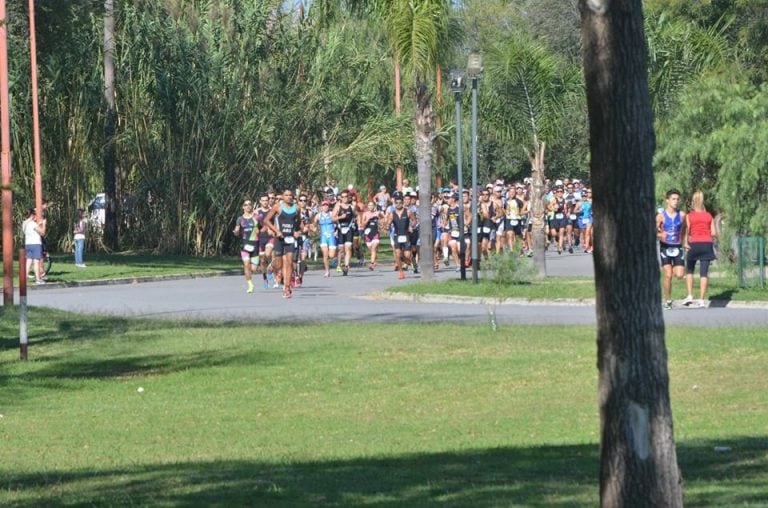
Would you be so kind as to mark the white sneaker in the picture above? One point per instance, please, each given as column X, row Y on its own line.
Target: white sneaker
column 39, row 282
column 702, row 304
column 688, row 300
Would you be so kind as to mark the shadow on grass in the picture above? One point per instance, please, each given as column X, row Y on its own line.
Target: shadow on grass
column 536, row 476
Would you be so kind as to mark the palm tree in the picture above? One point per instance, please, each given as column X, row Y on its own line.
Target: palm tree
column 528, row 90
column 417, row 29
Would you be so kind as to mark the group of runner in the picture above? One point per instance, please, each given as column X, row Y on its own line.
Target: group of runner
column 279, row 233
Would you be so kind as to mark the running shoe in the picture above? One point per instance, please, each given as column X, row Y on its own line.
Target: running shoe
column 415, row 268
column 250, row 287
column 327, row 274
column 570, row 250
column 370, row 266
column 688, row 300
column 287, row 294
column 559, row 252
column 270, row 279
column 668, row 305
column 266, row 284
column 345, row 271
column 39, row 282
column 339, row 269
column 701, row 304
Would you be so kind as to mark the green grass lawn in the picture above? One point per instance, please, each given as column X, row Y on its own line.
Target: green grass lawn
column 402, row 415
column 720, row 288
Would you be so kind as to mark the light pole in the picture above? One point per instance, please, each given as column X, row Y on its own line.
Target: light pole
column 457, row 87
column 475, row 71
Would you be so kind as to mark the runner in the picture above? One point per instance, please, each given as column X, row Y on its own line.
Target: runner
column 451, row 228
column 497, row 216
column 327, row 230
column 670, row 226
column 401, row 220
column 586, row 221
column 305, row 215
column 266, row 242
column 369, row 225
column 247, row 228
column 284, row 221
column 412, row 206
column 557, row 226
column 513, row 217
column 344, row 214
column 700, row 231
column 573, row 210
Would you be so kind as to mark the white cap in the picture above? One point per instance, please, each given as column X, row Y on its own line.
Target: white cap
column 350, row 187
column 558, row 182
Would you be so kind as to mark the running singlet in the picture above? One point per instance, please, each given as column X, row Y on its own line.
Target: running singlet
column 287, row 222
column 346, row 216
column 414, row 209
column 586, row 212
column 400, row 223
column 249, row 231
column 513, row 209
column 453, row 221
column 372, row 227
column 672, row 228
column 325, row 221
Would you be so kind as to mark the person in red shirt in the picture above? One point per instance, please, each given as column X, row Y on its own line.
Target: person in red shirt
column 700, row 233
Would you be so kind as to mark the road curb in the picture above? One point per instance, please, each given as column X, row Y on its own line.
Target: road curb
column 562, row 302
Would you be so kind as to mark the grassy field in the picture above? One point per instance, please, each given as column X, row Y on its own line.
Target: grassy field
column 580, row 288
column 344, row 415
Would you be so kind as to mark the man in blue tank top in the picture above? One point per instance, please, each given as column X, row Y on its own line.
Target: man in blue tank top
column 670, row 225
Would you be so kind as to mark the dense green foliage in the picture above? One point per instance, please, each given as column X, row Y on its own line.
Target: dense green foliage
column 222, row 99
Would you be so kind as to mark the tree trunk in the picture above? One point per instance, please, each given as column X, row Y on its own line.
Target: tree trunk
column 110, row 121
column 638, row 462
column 425, row 136
column 537, row 215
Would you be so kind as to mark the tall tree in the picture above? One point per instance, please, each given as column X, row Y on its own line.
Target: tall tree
column 110, row 124
column 638, row 462
column 418, row 28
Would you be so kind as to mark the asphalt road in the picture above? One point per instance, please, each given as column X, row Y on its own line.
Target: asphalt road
column 355, row 298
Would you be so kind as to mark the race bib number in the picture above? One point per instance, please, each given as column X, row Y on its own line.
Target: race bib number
column 486, row 230
column 572, row 217
column 559, row 216
column 345, row 230
column 454, row 234
column 402, row 238
column 514, row 222
column 367, row 231
column 586, row 221
column 249, row 247
column 289, row 240
column 672, row 252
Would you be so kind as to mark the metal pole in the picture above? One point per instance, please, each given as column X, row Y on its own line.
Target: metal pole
column 35, row 114
column 5, row 161
column 23, row 335
column 475, row 257
column 462, row 243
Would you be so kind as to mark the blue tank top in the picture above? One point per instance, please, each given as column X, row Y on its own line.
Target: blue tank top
column 586, row 210
column 325, row 221
column 672, row 228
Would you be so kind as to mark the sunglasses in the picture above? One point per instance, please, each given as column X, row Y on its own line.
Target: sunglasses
column 302, row 199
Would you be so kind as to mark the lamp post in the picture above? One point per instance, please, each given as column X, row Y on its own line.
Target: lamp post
column 457, row 87
column 475, row 71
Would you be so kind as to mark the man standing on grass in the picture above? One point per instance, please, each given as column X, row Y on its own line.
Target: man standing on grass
column 670, row 227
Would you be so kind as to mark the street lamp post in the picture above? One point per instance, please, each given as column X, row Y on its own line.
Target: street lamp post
column 457, row 87
column 475, row 71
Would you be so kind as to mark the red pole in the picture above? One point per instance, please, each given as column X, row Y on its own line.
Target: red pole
column 23, row 329
column 35, row 113
column 5, row 162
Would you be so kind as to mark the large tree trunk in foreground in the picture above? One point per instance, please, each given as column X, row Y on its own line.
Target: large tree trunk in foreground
column 425, row 137
column 638, row 463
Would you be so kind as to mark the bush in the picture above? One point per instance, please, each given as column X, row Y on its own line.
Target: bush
column 508, row 269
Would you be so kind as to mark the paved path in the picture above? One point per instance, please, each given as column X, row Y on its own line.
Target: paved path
column 356, row 298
